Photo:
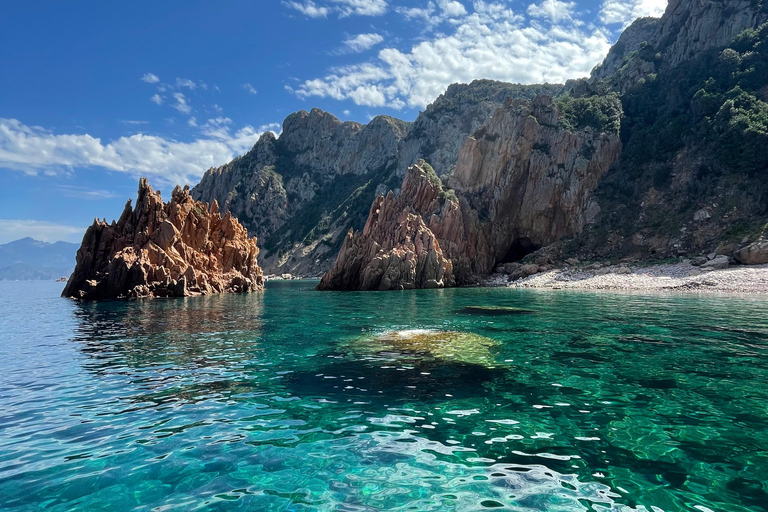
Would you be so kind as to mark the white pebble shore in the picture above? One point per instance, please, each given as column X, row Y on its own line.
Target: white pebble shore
column 677, row 277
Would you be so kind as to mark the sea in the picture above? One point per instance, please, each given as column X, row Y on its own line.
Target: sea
column 428, row 400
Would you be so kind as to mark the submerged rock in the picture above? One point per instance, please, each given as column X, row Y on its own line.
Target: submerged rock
column 497, row 310
column 462, row 347
column 176, row 249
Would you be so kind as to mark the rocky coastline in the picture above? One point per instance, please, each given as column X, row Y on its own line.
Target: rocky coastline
column 177, row 249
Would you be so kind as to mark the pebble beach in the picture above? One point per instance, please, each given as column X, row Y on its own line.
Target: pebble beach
column 679, row 277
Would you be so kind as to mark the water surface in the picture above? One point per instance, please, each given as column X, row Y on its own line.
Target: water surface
column 284, row 401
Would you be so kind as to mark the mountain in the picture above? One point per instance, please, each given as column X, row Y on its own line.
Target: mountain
column 300, row 193
column 29, row 259
column 658, row 154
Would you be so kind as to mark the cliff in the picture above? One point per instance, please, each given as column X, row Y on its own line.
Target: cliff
column 522, row 181
column 300, row 193
column 175, row 249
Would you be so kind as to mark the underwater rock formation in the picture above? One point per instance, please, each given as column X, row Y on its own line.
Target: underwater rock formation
column 176, row 249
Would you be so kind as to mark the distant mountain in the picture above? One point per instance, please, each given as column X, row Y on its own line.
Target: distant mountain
column 30, row 259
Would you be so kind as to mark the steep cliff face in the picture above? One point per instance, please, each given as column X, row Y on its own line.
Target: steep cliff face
column 692, row 177
column 521, row 182
column 175, row 249
column 687, row 29
column 439, row 132
column 531, row 180
column 300, row 193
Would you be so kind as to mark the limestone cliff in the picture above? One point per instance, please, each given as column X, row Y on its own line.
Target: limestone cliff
column 175, row 249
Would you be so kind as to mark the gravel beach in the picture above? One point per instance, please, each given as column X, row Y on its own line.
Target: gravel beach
column 675, row 277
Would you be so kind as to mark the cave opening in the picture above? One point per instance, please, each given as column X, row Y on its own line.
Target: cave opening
column 520, row 248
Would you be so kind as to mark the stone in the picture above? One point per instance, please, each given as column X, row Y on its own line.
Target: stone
column 701, row 215
column 717, row 263
column 699, row 261
column 177, row 249
column 572, row 262
column 753, row 254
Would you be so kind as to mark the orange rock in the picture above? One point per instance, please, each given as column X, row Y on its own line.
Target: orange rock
column 176, row 249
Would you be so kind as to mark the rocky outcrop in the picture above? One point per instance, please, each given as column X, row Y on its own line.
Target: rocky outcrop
column 396, row 250
column 522, row 181
column 687, row 29
column 302, row 192
column 753, row 254
column 175, row 249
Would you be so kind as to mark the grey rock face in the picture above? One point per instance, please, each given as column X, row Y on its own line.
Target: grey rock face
column 300, row 193
column 687, row 29
column 753, row 254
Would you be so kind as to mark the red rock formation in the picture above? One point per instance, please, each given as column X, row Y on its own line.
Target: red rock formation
column 182, row 248
column 396, row 250
column 521, row 182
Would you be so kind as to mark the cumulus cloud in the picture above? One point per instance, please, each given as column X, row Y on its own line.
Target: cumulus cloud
column 308, row 9
column 624, row 12
column 156, row 99
column 362, row 42
column 150, row 78
column 492, row 42
column 343, row 8
column 34, row 150
column 12, row 229
column 251, row 89
column 554, row 10
column 361, row 7
column 434, row 14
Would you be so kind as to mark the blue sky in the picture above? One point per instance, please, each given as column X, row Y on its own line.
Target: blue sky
column 95, row 94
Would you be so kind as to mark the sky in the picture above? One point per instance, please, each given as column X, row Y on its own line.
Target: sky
column 95, row 94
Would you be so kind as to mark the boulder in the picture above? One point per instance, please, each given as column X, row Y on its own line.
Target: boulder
column 717, row 263
column 753, row 254
column 176, row 249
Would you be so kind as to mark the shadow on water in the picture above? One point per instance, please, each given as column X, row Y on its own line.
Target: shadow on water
column 396, row 381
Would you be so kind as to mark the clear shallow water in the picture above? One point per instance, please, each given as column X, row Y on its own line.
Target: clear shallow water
column 281, row 401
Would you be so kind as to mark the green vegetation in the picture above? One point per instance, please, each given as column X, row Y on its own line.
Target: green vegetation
column 602, row 113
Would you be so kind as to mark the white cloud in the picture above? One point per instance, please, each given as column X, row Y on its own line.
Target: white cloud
column 555, row 10
column 624, row 12
column 11, row 230
column 251, row 89
column 433, row 14
column 452, row 8
column 34, row 150
column 362, row 42
column 156, row 99
column 361, row 7
column 492, row 42
column 150, row 78
column 192, row 122
column 343, row 7
column 309, row 9
column 186, row 82
column 181, row 103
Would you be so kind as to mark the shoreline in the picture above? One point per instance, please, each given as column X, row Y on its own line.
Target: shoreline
column 679, row 277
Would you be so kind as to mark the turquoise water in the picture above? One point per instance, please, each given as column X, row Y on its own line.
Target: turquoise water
column 290, row 401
